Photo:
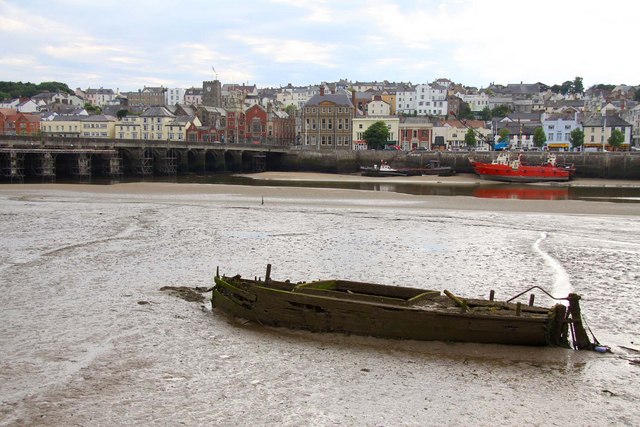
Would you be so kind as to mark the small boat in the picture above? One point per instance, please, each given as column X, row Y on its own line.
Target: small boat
column 506, row 168
column 432, row 168
column 383, row 169
column 343, row 306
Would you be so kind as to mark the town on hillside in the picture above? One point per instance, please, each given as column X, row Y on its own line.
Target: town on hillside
column 440, row 115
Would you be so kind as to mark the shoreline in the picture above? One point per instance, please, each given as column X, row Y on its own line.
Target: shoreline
column 275, row 195
column 458, row 179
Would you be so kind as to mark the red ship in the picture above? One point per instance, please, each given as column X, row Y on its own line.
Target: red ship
column 504, row 168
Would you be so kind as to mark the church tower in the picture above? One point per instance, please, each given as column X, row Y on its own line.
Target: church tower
column 212, row 93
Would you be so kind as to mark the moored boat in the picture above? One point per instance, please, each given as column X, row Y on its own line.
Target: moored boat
column 398, row 312
column 383, row 169
column 433, row 167
column 511, row 169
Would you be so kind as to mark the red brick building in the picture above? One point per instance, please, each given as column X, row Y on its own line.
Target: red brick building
column 256, row 124
column 281, row 128
column 21, row 124
column 235, row 132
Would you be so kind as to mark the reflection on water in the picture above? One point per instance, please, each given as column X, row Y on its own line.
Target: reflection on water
column 485, row 190
column 522, row 193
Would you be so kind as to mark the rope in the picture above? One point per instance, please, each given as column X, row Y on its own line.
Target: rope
column 539, row 288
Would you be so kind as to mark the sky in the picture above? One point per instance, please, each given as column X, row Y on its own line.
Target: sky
column 270, row 43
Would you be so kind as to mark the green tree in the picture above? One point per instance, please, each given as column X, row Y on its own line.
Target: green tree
column 566, row 87
column 616, row 139
column 501, row 111
column 576, row 137
column 470, row 138
column 92, row 109
column 465, row 111
column 503, row 135
column 290, row 110
column 578, row 86
column 486, row 114
column 376, row 135
column 636, row 96
column 122, row 113
column 539, row 138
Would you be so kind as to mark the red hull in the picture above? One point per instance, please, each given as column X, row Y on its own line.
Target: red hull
column 522, row 173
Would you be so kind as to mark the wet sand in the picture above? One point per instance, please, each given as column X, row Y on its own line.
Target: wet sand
column 88, row 338
column 381, row 199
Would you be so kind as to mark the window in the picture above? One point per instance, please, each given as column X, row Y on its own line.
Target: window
column 256, row 126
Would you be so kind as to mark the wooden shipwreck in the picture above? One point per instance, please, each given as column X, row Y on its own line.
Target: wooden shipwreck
column 398, row 312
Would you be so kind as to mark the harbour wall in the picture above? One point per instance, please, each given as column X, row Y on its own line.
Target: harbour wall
column 609, row 165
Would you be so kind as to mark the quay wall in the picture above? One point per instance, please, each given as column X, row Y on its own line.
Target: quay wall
column 608, row 165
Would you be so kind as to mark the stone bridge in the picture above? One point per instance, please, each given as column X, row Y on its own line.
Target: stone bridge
column 51, row 157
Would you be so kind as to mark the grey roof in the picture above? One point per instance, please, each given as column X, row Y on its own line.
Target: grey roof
column 599, row 121
column 98, row 118
column 157, row 112
column 339, row 99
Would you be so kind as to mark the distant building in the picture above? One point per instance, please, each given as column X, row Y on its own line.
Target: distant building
column 212, row 94
column 193, row 96
column 597, row 131
column 174, row 96
column 416, row 132
column 149, row 96
column 361, row 124
column 326, row 122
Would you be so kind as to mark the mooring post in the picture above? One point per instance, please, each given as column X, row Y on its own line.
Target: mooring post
column 492, row 295
column 519, row 309
column 581, row 339
column 532, row 298
column 267, row 276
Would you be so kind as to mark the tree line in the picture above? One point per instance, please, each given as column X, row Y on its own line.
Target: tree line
column 13, row 90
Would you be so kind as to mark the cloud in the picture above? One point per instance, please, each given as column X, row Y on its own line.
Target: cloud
column 290, row 51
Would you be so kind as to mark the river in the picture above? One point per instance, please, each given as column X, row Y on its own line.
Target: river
column 88, row 338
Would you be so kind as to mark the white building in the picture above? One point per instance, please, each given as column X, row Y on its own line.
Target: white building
column 174, row 96
column 558, row 128
column 361, row 124
column 476, row 101
column 296, row 96
column 406, row 101
column 424, row 100
column 378, row 107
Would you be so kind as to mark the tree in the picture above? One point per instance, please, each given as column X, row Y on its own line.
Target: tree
column 465, row 111
column 291, row 110
column 539, row 138
column 576, row 137
column 376, row 135
column 504, row 135
column 121, row 113
column 501, row 111
column 578, row 87
column 566, row 87
column 486, row 114
column 92, row 109
column 616, row 139
column 636, row 96
column 470, row 138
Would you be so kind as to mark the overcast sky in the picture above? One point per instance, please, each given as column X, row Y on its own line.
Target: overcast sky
column 129, row 45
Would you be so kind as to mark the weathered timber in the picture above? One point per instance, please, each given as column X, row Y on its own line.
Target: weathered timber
column 393, row 312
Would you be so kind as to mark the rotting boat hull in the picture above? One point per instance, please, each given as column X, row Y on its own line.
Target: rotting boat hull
column 305, row 306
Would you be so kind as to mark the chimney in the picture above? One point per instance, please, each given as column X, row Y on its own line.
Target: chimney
column 321, row 90
column 353, row 101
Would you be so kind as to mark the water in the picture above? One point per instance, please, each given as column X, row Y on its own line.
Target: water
column 87, row 338
column 548, row 191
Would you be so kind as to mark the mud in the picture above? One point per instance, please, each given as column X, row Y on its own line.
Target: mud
column 78, row 348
